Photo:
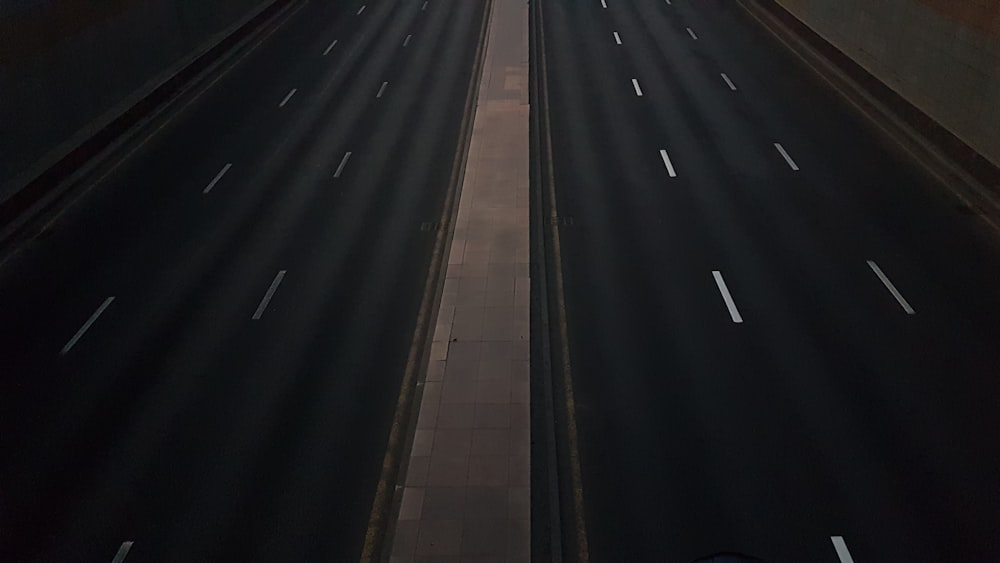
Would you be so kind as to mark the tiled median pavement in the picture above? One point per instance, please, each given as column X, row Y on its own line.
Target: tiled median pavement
column 466, row 495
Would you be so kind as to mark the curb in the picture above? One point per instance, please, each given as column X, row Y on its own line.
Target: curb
column 546, row 509
column 560, row 512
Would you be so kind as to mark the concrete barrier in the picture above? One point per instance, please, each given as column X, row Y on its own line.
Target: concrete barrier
column 942, row 56
column 68, row 68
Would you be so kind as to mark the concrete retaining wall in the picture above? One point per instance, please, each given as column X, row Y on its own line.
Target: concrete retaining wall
column 68, row 65
column 943, row 56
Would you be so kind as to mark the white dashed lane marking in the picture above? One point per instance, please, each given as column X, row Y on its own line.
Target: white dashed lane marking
column 270, row 293
column 218, row 177
column 86, row 326
column 841, row 547
column 724, row 290
column 343, row 163
column 788, row 159
column 288, row 97
column 666, row 162
column 122, row 553
column 891, row 287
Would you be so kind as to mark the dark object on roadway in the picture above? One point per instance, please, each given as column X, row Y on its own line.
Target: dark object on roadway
column 729, row 558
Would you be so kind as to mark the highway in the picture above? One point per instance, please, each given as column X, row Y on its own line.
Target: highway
column 202, row 349
column 783, row 335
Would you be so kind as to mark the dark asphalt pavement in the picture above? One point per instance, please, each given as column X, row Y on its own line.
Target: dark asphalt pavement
column 829, row 411
column 177, row 420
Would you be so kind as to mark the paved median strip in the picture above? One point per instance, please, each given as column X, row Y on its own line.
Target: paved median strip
column 86, row 326
column 269, row 294
column 727, row 297
column 892, row 288
column 469, row 469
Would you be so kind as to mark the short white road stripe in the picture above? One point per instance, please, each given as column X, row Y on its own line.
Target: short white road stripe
column 424, row 7
column 691, row 33
column 730, row 304
column 892, row 288
column 330, row 48
column 407, row 40
column 381, row 89
column 841, row 547
column 618, row 38
column 288, row 97
column 667, row 163
column 343, row 163
column 787, row 158
column 218, row 177
column 604, row 4
column 729, row 82
column 269, row 294
column 86, row 326
column 361, row 9
column 668, row 3
column 635, row 84
column 122, row 552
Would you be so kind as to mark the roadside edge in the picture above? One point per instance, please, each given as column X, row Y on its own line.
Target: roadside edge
column 48, row 182
column 928, row 145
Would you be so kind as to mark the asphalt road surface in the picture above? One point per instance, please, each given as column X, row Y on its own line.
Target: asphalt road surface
column 202, row 354
column 781, row 332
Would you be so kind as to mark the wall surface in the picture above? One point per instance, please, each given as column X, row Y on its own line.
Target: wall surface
column 65, row 64
column 943, row 56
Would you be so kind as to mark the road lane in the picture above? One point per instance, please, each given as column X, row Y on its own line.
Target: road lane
column 178, row 423
column 828, row 412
